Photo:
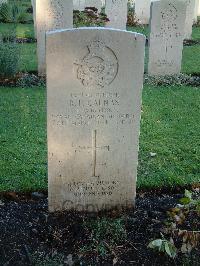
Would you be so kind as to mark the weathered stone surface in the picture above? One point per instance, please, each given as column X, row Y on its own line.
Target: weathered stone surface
column 142, row 11
column 33, row 2
column 190, row 7
column 198, row 9
column 94, row 80
column 51, row 15
column 116, row 11
column 166, row 37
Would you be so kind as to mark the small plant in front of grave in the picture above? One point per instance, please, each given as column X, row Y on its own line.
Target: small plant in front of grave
column 104, row 235
column 164, row 246
column 30, row 80
column 13, row 13
column 42, row 259
column 89, row 17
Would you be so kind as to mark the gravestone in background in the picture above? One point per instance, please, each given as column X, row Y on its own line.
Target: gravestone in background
column 198, row 12
column 51, row 15
column 166, row 37
column 94, row 81
column 116, row 11
column 33, row 2
column 142, row 11
column 189, row 18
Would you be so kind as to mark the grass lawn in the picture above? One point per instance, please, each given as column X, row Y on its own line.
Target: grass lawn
column 170, row 127
column 28, row 58
column 21, row 30
column 196, row 33
column 191, row 59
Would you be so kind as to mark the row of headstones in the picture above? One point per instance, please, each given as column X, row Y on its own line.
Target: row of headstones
column 94, row 85
column 166, row 37
column 52, row 15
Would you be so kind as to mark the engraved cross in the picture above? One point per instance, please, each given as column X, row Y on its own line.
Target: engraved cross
column 94, row 151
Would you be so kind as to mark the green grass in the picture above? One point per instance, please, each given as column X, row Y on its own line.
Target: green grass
column 170, row 127
column 28, row 59
column 196, row 33
column 191, row 59
column 23, row 139
column 21, row 30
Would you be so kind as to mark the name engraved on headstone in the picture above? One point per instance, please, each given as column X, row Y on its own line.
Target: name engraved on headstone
column 94, row 102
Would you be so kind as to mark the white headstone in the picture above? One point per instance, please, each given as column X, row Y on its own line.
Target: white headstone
column 196, row 10
column 94, row 81
column 33, row 2
column 198, row 13
column 51, row 15
column 142, row 11
column 189, row 18
column 166, row 37
column 116, row 11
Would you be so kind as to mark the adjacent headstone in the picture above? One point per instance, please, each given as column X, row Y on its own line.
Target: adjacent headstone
column 166, row 37
column 33, row 2
column 94, row 81
column 51, row 15
column 198, row 13
column 142, row 11
column 116, row 11
column 189, row 18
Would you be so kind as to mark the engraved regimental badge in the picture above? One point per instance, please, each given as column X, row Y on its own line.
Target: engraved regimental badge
column 99, row 67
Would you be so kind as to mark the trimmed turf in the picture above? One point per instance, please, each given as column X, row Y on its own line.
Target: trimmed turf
column 21, row 30
column 28, row 58
column 23, row 139
column 191, row 59
column 170, row 127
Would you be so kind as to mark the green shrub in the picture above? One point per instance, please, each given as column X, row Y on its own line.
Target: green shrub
column 89, row 17
column 13, row 13
column 9, row 59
